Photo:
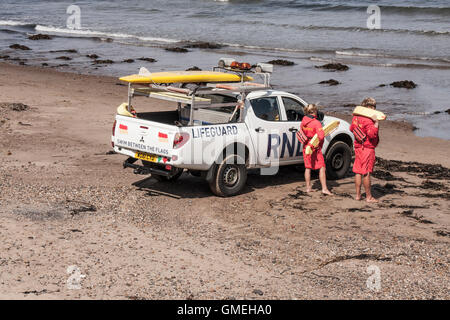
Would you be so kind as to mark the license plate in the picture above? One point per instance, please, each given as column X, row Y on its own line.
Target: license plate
column 146, row 157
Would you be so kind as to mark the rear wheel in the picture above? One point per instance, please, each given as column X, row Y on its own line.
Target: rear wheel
column 229, row 176
column 338, row 160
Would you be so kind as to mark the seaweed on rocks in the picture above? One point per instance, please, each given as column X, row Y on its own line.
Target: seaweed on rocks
column 407, row 84
column 281, row 62
column 330, row 82
column 151, row 60
column 334, row 67
column 204, row 45
column 194, row 68
column 427, row 171
column 40, row 37
column 18, row 47
column 177, row 49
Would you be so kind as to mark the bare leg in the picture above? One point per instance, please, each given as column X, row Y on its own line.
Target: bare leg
column 323, row 181
column 367, row 187
column 308, row 180
column 358, row 182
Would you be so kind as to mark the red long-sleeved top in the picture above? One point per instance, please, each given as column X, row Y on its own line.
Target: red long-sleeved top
column 310, row 126
column 368, row 127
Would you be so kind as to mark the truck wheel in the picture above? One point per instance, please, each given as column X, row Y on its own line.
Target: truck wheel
column 338, row 160
column 229, row 176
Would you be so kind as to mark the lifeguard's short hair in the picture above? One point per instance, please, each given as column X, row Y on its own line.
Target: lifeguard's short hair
column 369, row 102
column 310, row 109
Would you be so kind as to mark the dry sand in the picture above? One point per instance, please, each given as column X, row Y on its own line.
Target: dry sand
column 64, row 201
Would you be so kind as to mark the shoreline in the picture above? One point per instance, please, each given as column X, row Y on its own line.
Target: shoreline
column 403, row 130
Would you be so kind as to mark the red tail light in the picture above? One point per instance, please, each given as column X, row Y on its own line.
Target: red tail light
column 180, row 140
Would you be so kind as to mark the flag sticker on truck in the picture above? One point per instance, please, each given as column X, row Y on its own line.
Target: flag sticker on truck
column 162, row 137
column 123, row 129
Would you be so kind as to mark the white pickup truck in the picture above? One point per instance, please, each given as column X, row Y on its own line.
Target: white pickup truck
column 221, row 133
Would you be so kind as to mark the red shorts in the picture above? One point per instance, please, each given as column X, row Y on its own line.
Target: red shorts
column 364, row 161
column 315, row 160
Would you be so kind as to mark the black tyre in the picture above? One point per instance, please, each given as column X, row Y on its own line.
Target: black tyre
column 229, row 176
column 338, row 160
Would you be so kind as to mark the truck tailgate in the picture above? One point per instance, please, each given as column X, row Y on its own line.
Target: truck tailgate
column 144, row 135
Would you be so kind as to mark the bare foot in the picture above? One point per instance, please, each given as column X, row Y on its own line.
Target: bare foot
column 308, row 190
column 372, row 200
column 327, row 192
column 358, row 198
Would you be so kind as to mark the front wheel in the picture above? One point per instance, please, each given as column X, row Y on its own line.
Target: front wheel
column 338, row 160
column 229, row 176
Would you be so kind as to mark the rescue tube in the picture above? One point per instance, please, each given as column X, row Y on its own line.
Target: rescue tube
column 327, row 130
column 369, row 113
column 122, row 110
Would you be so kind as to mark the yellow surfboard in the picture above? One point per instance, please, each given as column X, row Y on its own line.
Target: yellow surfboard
column 369, row 113
column 185, row 77
column 327, row 130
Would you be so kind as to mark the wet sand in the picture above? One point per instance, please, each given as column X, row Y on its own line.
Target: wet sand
column 65, row 201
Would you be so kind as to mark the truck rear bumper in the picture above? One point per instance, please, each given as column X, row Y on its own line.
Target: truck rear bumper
column 138, row 169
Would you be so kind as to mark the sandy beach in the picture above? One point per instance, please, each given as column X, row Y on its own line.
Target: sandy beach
column 66, row 201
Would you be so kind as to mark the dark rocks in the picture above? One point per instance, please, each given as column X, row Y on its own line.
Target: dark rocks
column 382, row 85
column 258, row 292
column 14, row 106
column 19, row 47
column 177, row 49
column 45, row 64
column 93, row 56
column 427, row 184
column 128, row 60
column 40, row 37
column 204, row 45
column 103, row 61
column 407, row 84
column 194, row 68
column 65, row 51
column 334, row 67
column 281, row 62
column 63, row 58
column 330, row 82
column 448, row 111
column 151, row 60
column 423, row 170
column 4, row 57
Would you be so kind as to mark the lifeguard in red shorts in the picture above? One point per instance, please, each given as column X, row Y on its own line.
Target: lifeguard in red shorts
column 315, row 161
column 367, row 129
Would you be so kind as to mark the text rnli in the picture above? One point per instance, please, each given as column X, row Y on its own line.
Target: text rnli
column 211, row 132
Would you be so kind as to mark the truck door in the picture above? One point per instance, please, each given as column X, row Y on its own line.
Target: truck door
column 266, row 129
column 291, row 148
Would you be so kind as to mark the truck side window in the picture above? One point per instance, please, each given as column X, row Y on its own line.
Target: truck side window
column 266, row 108
column 294, row 109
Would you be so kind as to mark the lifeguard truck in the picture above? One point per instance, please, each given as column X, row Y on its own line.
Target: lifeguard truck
column 223, row 123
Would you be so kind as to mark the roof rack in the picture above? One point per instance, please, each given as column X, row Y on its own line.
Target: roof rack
column 189, row 95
